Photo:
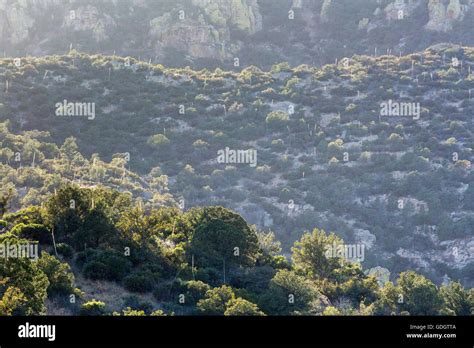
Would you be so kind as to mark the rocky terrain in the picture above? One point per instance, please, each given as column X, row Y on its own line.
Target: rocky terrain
column 325, row 153
column 237, row 157
column 231, row 33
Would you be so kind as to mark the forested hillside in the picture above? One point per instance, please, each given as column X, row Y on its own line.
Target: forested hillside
column 102, row 253
column 326, row 154
column 32, row 167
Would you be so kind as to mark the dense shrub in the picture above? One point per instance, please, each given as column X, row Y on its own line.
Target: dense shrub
column 196, row 291
column 65, row 250
column 107, row 265
column 36, row 232
column 61, row 279
column 93, row 308
column 136, row 303
column 139, row 282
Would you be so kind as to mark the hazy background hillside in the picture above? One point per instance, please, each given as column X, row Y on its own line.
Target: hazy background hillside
column 209, row 33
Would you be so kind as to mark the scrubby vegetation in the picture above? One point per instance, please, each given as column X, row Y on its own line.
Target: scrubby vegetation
column 204, row 261
column 326, row 157
column 133, row 213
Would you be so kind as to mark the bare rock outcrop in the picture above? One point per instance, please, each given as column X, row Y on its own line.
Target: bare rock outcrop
column 443, row 14
column 206, row 35
column 401, row 9
column 89, row 18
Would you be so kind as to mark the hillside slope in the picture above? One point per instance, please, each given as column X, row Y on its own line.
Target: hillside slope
column 215, row 32
column 322, row 150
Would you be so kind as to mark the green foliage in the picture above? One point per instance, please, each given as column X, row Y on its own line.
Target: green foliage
column 60, row 277
column 420, row 295
column 4, row 201
column 388, row 158
column 389, row 301
column 260, row 280
column 309, row 254
column 158, row 313
column 223, row 301
column 222, row 236
column 136, row 302
column 30, row 215
column 128, row 312
column 158, row 141
column 35, row 232
column 85, row 217
column 93, row 308
column 277, row 119
column 139, row 228
column 65, row 250
column 22, row 282
column 359, row 289
column 241, row 307
column 216, row 301
column 456, row 300
column 12, row 300
column 107, row 265
column 289, row 293
column 331, row 311
column 139, row 282
column 196, row 290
